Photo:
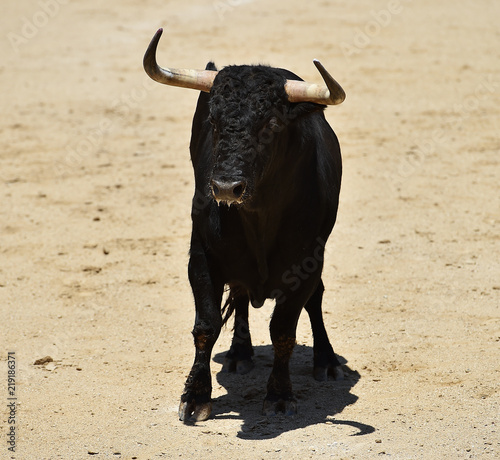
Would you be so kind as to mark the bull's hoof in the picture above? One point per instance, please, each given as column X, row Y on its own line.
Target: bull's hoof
column 241, row 367
column 321, row 373
column 245, row 366
column 271, row 408
column 192, row 412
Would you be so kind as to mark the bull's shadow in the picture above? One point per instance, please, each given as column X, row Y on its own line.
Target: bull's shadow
column 317, row 401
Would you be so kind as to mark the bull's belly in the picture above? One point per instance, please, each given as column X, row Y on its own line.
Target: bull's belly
column 274, row 279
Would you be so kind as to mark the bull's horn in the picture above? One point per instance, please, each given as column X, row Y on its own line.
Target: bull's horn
column 201, row 80
column 301, row 91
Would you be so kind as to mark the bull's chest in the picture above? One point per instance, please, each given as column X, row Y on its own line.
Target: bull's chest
column 252, row 259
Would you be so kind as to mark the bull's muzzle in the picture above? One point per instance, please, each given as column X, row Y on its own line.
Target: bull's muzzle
column 230, row 192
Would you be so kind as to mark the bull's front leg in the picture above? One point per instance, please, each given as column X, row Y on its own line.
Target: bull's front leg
column 196, row 402
column 283, row 327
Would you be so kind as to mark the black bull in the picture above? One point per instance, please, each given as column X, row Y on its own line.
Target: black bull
column 267, row 180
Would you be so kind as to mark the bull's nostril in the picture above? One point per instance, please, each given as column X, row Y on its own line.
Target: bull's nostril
column 238, row 191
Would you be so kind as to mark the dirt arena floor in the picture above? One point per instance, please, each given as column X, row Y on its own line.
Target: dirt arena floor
column 95, row 192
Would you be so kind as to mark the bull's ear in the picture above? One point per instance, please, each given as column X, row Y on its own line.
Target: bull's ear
column 211, row 66
column 300, row 109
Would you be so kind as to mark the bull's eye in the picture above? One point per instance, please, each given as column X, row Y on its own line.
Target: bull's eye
column 269, row 131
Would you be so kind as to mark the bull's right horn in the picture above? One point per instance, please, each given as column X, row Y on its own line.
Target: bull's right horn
column 301, row 91
column 201, row 80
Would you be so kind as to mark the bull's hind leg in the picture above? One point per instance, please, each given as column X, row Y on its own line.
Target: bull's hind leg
column 239, row 357
column 196, row 400
column 324, row 357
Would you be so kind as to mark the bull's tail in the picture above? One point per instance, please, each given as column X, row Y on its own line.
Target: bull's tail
column 236, row 294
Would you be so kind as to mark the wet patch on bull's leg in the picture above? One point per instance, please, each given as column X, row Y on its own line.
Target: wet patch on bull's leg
column 279, row 398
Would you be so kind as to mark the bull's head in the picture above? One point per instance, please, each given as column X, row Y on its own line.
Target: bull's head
column 249, row 107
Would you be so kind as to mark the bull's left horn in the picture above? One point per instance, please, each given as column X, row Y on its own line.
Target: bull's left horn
column 301, row 91
column 201, row 80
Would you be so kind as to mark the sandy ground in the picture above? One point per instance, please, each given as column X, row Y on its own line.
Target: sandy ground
column 95, row 191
